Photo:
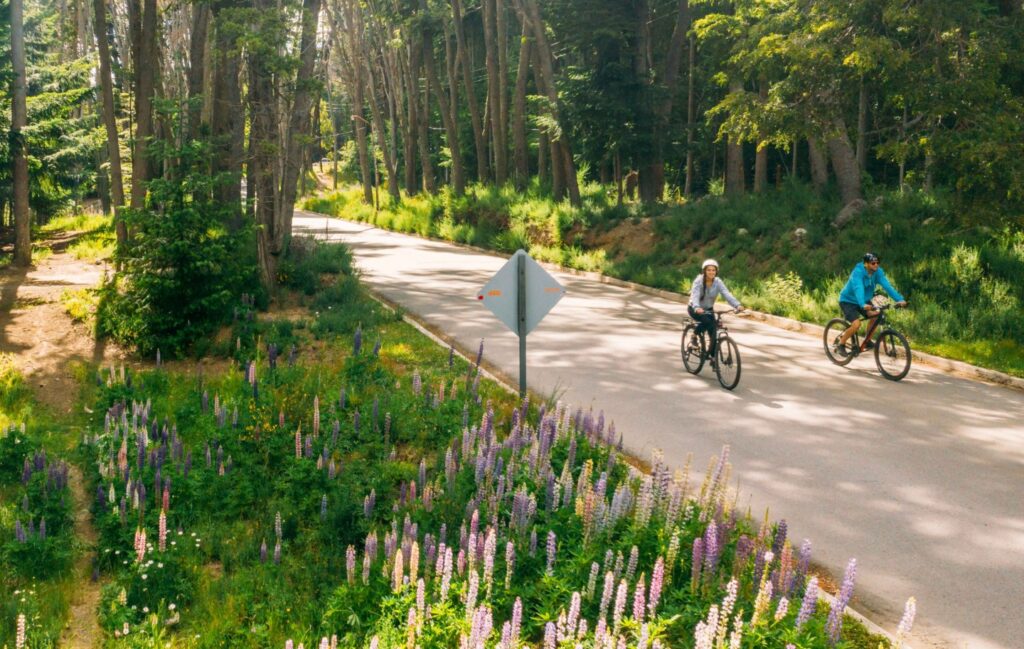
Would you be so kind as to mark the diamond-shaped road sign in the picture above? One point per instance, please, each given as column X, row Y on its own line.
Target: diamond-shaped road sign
column 501, row 294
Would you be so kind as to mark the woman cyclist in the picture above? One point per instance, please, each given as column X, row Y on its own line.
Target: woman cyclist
column 706, row 288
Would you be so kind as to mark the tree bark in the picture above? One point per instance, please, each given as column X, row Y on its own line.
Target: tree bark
column 412, row 94
column 844, row 162
column 691, row 105
column 358, row 101
column 482, row 166
column 109, row 120
column 227, row 120
column 862, row 127
column 546, row 59
column 19, row 155
column 761, row 155
column 451, row 130
column 501, row 138
column 378, row 129
column 197, row 65
column 520, row 152
column 146, row 68
column 819, row 164
column 734, row 181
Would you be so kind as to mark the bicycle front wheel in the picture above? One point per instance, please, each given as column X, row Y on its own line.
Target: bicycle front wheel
column 839, row 355
column 892, row 355
column 727, row 366
column 691, row 348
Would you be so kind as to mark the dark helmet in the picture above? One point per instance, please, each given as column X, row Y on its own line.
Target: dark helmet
column 869, row 257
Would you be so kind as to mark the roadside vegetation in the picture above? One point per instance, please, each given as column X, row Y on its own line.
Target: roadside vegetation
column 778, row 251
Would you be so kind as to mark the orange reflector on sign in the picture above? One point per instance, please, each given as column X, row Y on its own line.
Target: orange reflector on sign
column 552, row 289
column 494, row 293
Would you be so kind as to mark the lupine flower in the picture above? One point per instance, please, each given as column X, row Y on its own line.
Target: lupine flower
column 162, row 527
column 277, row 525
column 782, row 609
column 710, row 550
column 472, row 590
column 620, row 606
column 657, row 583
column 398, row 571
column 446, row 574
column 350, row 564
column 421, row 596
column 323, row 507
column 277, row 552
column 834, row 627
column 638, row 600
column 809, row 604
column 549, row 635
column 316, row 416
column 357, row 340
column 410, row 629
column 591, row 580
column 140, row 544
column 697, row 562
column 263, row 551
column 906, row 623
column 366, row 569
column 634, row 556
column 606, row 594
column 551, row 550
column 780, row 537
column 20, row 637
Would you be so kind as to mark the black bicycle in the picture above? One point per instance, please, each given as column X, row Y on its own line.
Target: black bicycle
column 892, row 351
column 693, row 348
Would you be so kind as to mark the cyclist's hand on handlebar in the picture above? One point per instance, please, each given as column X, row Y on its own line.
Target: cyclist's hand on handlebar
column 741, row 309
column 699, row 311
column 902, row 304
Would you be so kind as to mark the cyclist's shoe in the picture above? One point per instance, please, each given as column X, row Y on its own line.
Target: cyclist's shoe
column 868, row 345
column 839, row 349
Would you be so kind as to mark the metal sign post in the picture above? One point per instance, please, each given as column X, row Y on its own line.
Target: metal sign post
column 521, row 293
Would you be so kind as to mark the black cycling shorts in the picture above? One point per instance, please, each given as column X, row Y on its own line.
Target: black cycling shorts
column 852, row 311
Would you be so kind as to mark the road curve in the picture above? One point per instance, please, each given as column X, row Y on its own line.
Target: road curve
column 922, row 481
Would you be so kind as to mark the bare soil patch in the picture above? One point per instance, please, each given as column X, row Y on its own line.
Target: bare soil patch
column 630, row 236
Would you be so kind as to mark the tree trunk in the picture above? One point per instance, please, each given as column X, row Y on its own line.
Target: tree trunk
column 501, row 137
column 761, row 155
column 520, row 152
column 844, row 161
column 197, row 65
column 819, row 164
column 691, row 105
column 146, row 65
column 227, row 120
column 298, row 123
column 451, row 130
column 546, row 59
column 358, row 101
column 412, row 95
column 109, row 120
column 378, row 129
column 734, row 171
column 19, row 155
column 491, row 65
column 482, row 167
column 862, row 127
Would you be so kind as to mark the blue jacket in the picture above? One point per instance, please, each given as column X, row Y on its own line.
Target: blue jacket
column 860, row 288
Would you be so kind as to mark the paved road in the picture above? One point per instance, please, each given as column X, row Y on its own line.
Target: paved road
column 921, row 481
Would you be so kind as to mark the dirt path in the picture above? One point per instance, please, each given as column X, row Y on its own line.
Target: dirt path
column 45, row 343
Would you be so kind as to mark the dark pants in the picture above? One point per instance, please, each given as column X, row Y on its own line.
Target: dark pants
column 706, row 322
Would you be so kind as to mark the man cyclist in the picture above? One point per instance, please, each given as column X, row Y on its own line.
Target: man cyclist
column 705, row 290
column 855, row 299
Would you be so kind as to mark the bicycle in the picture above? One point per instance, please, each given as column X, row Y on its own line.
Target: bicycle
column 693, row 349
column 892, row 351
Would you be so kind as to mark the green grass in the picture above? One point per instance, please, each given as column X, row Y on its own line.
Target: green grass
column 778, row 252
column 77, row 222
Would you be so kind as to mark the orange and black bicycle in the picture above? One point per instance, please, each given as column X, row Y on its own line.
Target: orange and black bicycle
column 892, row 351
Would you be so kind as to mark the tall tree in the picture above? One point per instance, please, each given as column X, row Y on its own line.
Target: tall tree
column 19, row 120
column 146, row 65
column 482, row 167
column 109, row 119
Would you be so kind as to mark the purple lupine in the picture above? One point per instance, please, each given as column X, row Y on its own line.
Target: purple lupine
column 19, row 532
column 588, row 592
column 834, row 627
column 263, row 551
column 697, row 562
column 369, row 502
column 510, row 562
column 606, row 593
column 480, row 353
column 906, row 622
column 620, row 605
column 277, row 552
column 549, row 636
column 634, row 557
column 472, row 590
column 803, row 564
column 574, row 612
column 657, row 583
column 551, row 550
column 711, row 550
column 376, row 348
column 417, row 383
column 323, row 507
column 809, row 604
column 533, row 542
column 357, row 340
column 517, row 621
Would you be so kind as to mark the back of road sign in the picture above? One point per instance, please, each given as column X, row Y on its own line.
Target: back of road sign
column 500, row 295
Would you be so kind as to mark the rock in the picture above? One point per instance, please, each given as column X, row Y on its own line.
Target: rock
column 848, row 213
column 928, row 221
column 742, row 232
column 800, row 233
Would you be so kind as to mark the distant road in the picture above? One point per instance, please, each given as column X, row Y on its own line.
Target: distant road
column 922, row 481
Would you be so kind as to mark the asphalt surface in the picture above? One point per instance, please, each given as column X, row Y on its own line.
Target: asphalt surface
column 922, row 481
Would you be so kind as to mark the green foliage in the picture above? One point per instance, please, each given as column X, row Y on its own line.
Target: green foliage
column 183, row 266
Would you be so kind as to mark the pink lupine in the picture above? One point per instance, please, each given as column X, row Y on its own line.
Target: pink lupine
column 600, row 633
column 588, row 592
column 162, row 530
column 288, row 644
column 620, row 605
column 657, row 583
column 414, row 561
column 20, row 637
column 316, row 416
column 325, row 643
column 167, row 498
column 277, row 525
column 410, row 629
column 606, row 594
column 472, row 590
column 517, row 621
column 421, row 596
column 574, row 612
column 398, row 571
column 460, row 562
column 549, row 635
column 374, row 642
column 697, row 562
column 366, row 569
column 350, row 565
column 298, row 443
column 634, row 557
column 446, row 575
column 490, row 548
column 641, row 642
column 782, row 609
column 510, row 563
column 140, row 544
column 638, row 600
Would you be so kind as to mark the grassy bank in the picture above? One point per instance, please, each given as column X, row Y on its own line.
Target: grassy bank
column 778, row 252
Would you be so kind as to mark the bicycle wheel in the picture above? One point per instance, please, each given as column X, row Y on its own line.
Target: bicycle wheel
column 892, row 355
column 833, row 330
column 727, row 366
column 691, row 348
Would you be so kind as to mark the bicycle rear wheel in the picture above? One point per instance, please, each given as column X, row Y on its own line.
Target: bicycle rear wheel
column 727, row 366
column 892, row 355
column 691, row 348
column 833, row 330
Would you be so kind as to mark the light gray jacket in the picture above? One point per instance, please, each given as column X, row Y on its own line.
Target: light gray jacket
column 710, row 294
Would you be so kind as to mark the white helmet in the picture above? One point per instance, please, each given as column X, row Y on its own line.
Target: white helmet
column 708, row 262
